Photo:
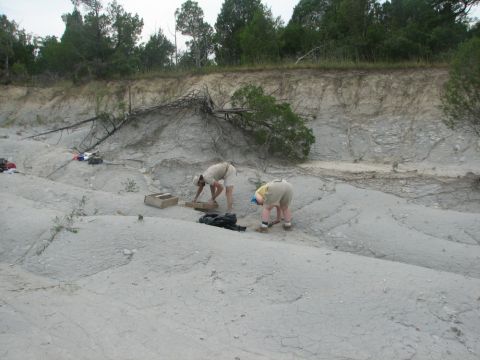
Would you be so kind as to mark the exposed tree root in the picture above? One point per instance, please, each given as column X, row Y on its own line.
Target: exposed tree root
column 105, row 125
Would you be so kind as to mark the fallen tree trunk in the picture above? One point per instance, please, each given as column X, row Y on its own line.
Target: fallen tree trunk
column 307, row 54
column 63, row 128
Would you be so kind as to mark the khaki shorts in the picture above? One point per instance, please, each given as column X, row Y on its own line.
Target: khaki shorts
column 230, row 176
column 279, row 193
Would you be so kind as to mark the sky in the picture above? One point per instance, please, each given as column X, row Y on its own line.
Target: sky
column 40, row 19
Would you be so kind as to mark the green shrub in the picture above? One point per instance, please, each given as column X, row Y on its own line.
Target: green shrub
column 273, row 125
column 461, row 99
column 130, row 185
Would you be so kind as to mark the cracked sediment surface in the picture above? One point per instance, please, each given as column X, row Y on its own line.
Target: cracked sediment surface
column 382, row 261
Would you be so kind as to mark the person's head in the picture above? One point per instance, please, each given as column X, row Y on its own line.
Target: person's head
column 198, row 180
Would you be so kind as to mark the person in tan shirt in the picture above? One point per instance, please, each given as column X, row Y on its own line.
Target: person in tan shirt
column 225, row 172
column 274, row 194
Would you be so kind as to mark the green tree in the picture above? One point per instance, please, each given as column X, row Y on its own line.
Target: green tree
column 189, row 21
column 338, row 29
column 17, row 50
column 100, row 43
column 24, row 48
column 87, row 42
column 350, row 27
column 303, row 32
column 232, row 19
column 366, row 30
column 273, row 125
column 421, row 29
column 310, row 13
column 72, row 51
column 475, row 30
column 126, row 28
column 125, row 32
column 96, row 26
column 50, row 58
column 157, row 52
column 259, row 39
column 455, row 7
column 8, row 31
column 461, row 99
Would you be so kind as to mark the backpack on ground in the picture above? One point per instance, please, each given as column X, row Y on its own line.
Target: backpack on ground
column 95, row 160
column 227, row 221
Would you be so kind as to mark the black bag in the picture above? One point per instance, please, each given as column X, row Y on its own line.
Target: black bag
column 227, row 221
column 95, row 160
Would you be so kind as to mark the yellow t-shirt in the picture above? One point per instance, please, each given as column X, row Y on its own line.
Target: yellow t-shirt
column 262, row 190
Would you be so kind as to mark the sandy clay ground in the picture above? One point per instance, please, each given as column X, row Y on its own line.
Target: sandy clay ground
column 383, row 261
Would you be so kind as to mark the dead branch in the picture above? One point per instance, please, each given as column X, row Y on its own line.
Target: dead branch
column 59, row 168
column 63, row 128
column 109, row 133
column 104, row 126
column 307, row 54
column 236, row 111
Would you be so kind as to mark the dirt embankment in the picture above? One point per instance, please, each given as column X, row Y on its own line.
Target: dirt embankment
column 383, row 117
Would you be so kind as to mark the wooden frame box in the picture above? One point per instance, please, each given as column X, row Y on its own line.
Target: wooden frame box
column 161, row 200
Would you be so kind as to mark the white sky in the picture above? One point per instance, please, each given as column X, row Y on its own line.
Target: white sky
column 38, row 18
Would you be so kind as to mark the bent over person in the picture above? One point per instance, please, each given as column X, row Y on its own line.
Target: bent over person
column 212, row 176
column 275, row 194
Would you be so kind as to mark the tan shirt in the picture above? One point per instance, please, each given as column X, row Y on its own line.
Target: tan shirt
column 216, row 172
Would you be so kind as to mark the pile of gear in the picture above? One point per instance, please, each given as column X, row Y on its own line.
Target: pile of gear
column 7, row 167
column 91, row 158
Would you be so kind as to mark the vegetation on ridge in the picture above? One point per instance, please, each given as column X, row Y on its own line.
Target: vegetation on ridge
column 103, row 41
column 461, row 100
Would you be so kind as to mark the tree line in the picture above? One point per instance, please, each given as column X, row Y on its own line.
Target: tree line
column 103, row 40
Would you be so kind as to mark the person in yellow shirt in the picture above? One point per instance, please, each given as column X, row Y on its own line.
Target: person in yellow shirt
column 274, row 194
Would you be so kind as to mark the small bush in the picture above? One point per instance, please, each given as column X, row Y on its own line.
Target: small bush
column 461, row 99
column 273, row 125
column 130, row 185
